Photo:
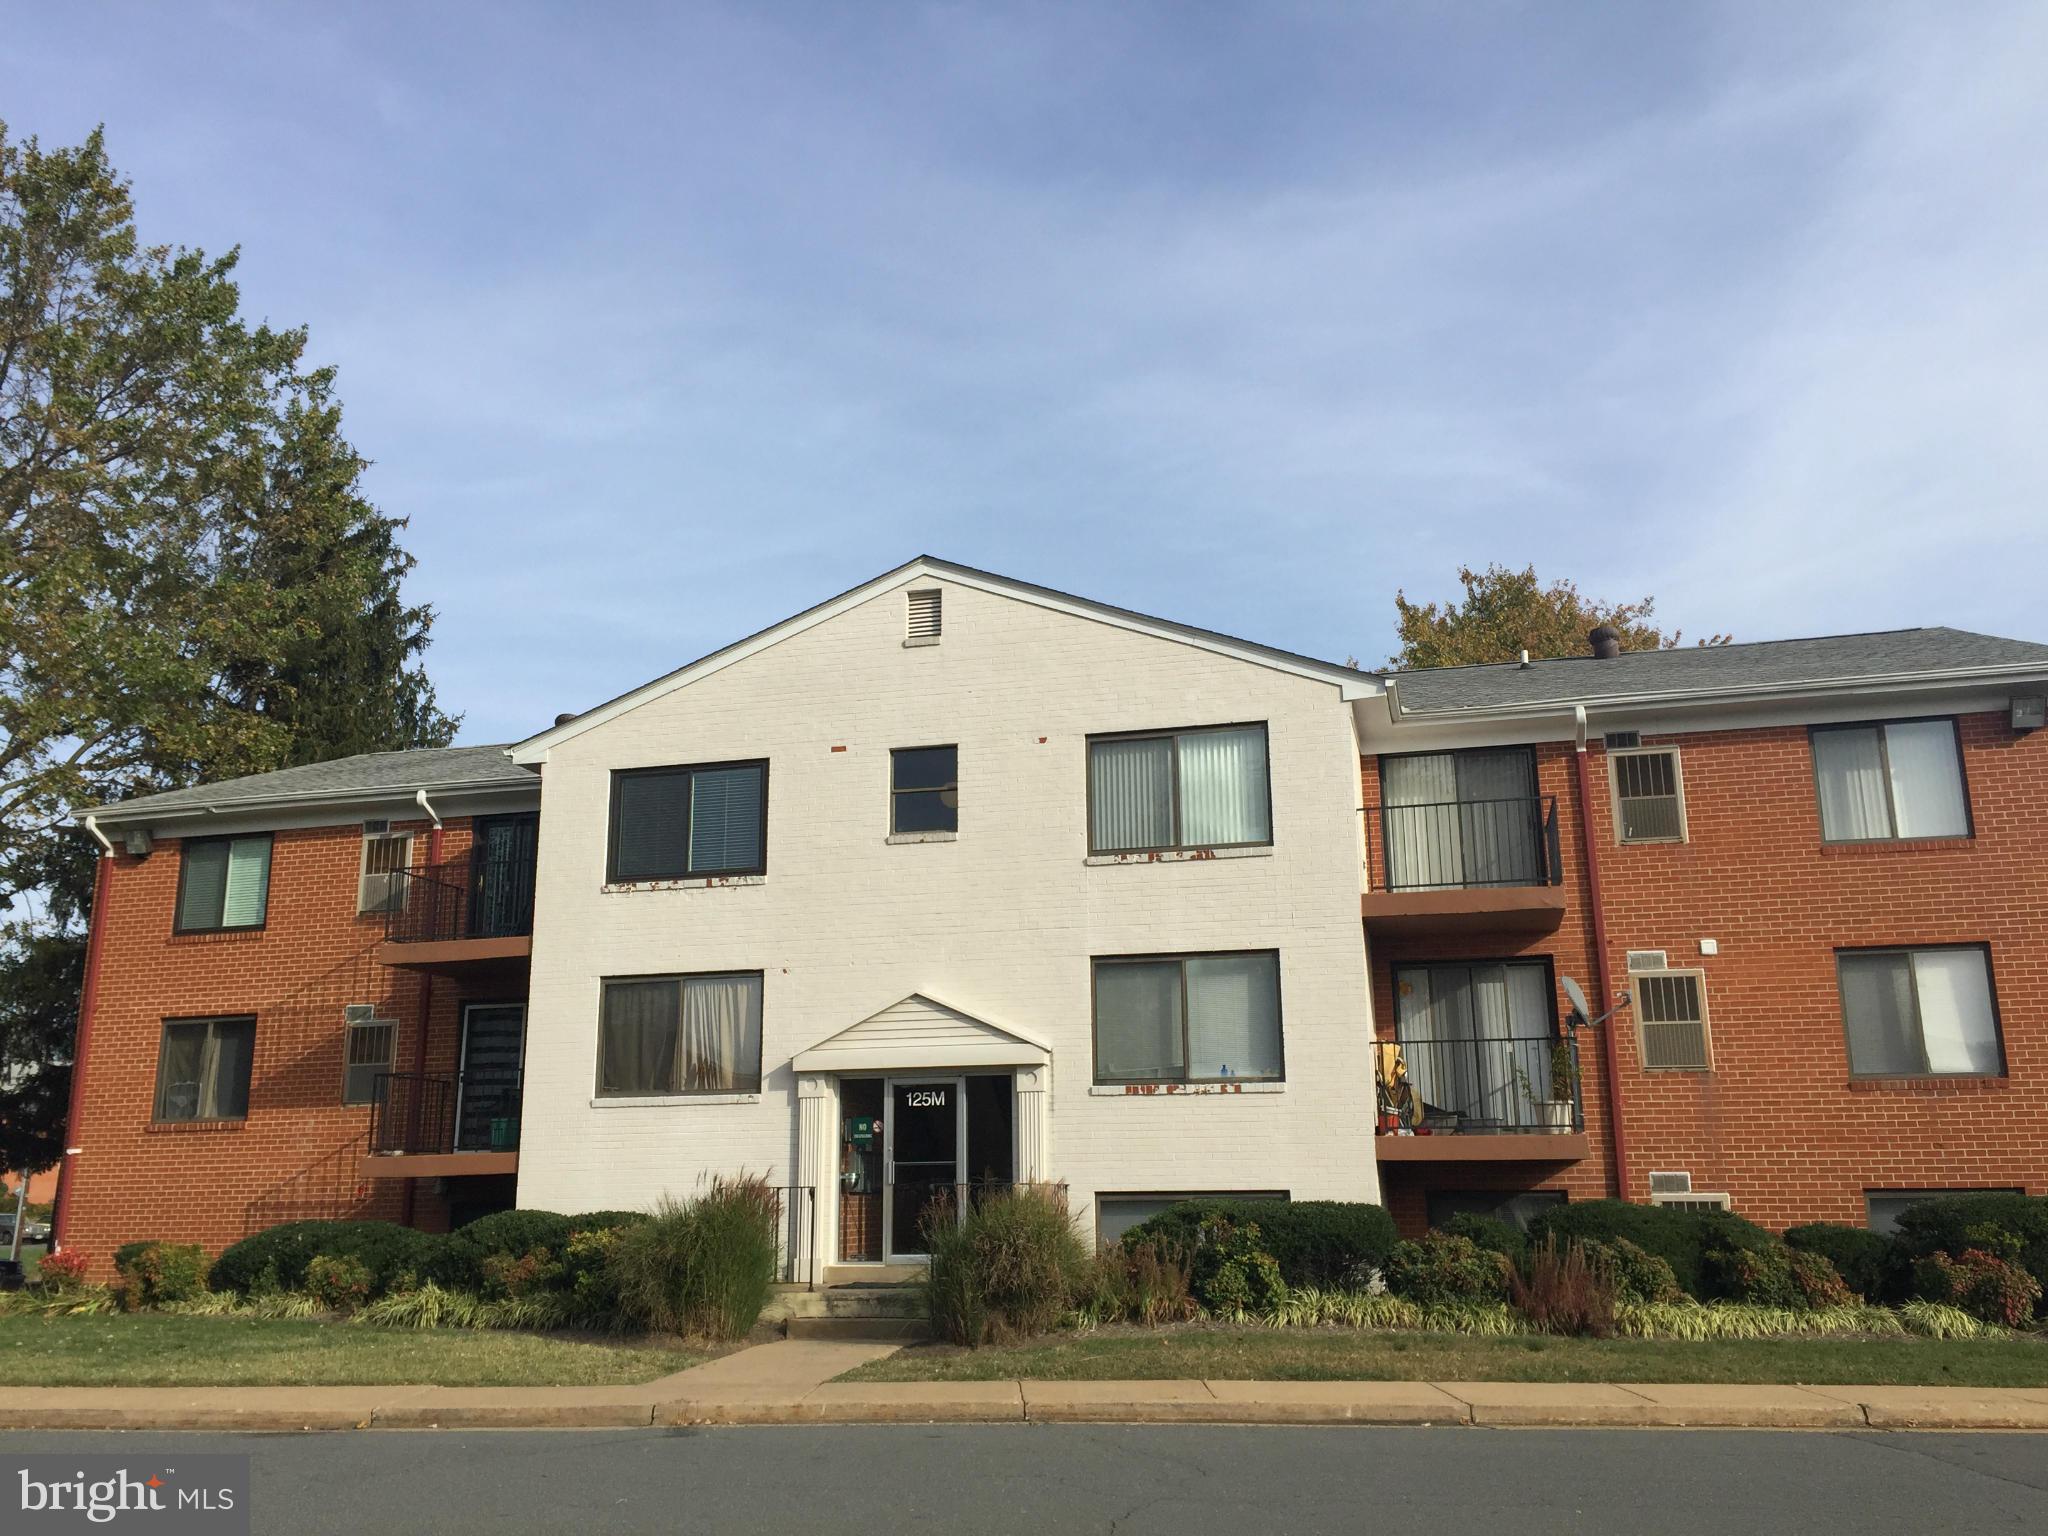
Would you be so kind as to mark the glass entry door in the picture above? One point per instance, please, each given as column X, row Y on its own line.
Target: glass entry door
column 924, row 1137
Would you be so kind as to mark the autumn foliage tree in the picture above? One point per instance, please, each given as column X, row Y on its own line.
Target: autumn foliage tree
column 1505, row 612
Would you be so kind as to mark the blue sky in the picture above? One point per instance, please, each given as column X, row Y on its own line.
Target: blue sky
column 664, row 322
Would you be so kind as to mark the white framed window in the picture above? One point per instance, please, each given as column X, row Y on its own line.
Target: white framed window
column 1891, row 781
column 1920, row 1012
column 380, row 884
column 1117, row 1214
column 1882, row 1208
column 1188, row 1018
column 1649, row 795
column 370, row 1046
column 1671, row 1020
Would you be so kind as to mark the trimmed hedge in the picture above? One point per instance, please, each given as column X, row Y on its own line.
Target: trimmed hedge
column 1316, row 1242
column 1492, row 1234
column 276, row 1258
column 1872, row 1263
column 1681, row 1239
column 1954, row 1224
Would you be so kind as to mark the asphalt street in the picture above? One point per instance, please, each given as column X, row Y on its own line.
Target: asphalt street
column 1188, row 1481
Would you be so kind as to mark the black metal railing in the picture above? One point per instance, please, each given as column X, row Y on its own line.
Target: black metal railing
column 425, row 1113
column 1490, row 1086
column 1462, row 844
column 796, row 1234
column 479, row 896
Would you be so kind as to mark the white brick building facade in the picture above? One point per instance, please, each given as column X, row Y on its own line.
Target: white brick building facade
column 975, row 951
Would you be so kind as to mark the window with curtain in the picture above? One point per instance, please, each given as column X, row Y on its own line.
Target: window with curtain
column 668, row 1035
column 1202, row 788
column 1920, row 1012
column 202, row 1069
column 223, row 882
column 676, row 823
column 1477, row 1039
column 1188, row 1018
column 1901, row 779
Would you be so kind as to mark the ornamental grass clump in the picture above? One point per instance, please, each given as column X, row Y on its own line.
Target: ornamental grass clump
column 1563, row 1289
column 702, row 1267
column 1010, row 1265
column 1149, row 1282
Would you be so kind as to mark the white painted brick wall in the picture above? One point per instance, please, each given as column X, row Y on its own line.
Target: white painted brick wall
column 1002, row 922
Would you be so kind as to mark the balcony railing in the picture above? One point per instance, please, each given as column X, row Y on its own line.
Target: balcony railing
column 430, row 1114
column 1465, row 844
column 481, row 896
column 1490, row 1086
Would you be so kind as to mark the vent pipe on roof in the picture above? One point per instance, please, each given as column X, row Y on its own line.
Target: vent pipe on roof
column 1606, row 642
column 1525, row 656
column 565, row 717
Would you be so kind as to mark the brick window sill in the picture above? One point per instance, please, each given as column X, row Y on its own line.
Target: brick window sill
column 218, row 936
column 1917, row 1085
column 192, row 1127
column 1881, row 848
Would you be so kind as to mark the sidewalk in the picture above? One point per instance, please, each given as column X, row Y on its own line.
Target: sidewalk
column 791, row 1382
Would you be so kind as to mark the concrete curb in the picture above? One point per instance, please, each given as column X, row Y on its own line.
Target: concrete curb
column 1497, row 1404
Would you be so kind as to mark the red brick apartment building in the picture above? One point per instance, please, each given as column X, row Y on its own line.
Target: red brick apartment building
column 1813, row 873
column 1810, row 873
column 304, row 998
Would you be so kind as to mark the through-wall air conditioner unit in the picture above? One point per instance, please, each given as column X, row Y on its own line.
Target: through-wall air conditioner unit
column 359, row 1013
column 1696, row 1201
column 1621, row 741
column 376, row 827
column 1640, row 960
column 1670, row 1183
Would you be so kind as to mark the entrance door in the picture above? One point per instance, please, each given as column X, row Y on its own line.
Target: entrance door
column 487, row 1091
column 501, row 876
column 924, row 1131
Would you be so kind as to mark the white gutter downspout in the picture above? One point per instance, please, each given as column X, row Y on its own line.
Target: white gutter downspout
column 427, row 806
column 92, row 825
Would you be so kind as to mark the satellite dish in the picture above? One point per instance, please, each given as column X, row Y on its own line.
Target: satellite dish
column 1575, row 997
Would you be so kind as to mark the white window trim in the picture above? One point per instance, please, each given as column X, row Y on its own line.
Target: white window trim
column 1614, row 793
column 1635, row 986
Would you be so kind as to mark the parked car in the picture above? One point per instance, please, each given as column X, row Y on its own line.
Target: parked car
column 32, row 1231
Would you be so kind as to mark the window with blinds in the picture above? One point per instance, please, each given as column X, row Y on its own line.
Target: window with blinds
column 371, row 1042
column 1188, row 1018
column 1649, row 798
column 680, row 823
column 1203, row 788
column 923, row 617
column 1671, row 1020
column 223, row 882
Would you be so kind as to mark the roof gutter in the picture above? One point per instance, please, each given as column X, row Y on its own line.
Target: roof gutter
column 1551, row 708
column 140, row 812
column 92, row 825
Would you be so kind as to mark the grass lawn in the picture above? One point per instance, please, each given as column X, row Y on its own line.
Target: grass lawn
column 154, row 1350
column 1254, row 1354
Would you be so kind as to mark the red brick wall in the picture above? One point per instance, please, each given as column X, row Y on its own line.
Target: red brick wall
column 297, row 1154
column 1778, row 1123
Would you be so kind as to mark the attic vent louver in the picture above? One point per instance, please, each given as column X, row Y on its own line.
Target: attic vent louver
column 923, row 619
column 1616, row 741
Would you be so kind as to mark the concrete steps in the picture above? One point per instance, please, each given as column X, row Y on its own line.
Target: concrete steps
column 881, row 1312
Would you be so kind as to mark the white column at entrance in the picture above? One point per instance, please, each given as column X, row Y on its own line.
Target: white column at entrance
column 817, row 1160
column 1034, row 1125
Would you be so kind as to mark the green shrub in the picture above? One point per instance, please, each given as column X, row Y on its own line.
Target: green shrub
column 1952, row 1224
column 1989, row 1288
column 1012, row 1265
column 1796, row 1279
column 339, row 1282
column 515, row 1233
column 1315, row 1242
column 1680, row 1238
column 1443, row 1269
column 1639, row 1275
column 702, row 1267
column 1234, row 1275
column 1562, row 1289
column 1869, row 1262
column 1492, row 1234
column 158, row 1274
column 275, row 1259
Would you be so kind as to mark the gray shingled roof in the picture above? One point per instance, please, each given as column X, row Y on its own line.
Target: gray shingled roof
column 1710, row 669
column 369, row 774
